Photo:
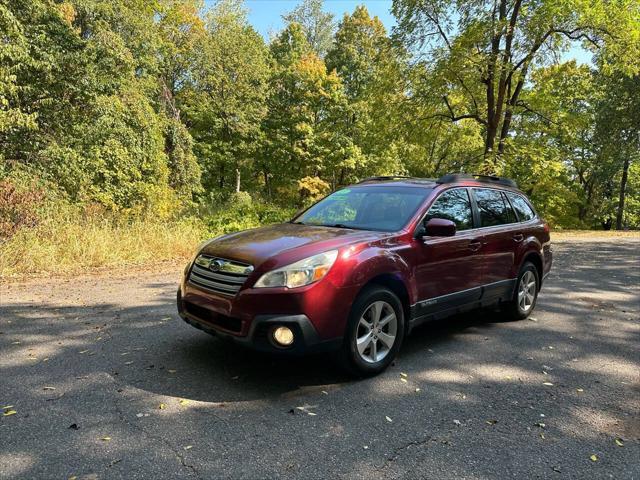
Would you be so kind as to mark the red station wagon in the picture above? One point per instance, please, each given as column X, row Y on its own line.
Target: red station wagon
column 358, row 270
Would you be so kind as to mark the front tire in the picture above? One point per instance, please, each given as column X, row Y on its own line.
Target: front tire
column 374, row 332
column 525, row 294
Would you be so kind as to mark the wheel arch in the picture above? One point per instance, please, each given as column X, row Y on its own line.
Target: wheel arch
column 536, row 259
column 394, row 282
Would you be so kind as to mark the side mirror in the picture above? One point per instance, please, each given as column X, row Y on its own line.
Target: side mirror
column 439, row 227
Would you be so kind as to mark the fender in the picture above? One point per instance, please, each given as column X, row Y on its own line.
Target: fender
column 374, row 261
column 530, row 245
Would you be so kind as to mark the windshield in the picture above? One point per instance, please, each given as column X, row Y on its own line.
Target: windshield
column 386, row 209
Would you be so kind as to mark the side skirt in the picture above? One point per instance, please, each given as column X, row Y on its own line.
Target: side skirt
column 459, row 302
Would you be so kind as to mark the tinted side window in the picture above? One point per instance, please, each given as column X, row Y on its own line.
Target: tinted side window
column 453, row 205
column 521, row 207
column 492, row 207
column 510, row 213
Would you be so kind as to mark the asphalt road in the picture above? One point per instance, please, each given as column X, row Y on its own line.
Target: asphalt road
column 107, row 382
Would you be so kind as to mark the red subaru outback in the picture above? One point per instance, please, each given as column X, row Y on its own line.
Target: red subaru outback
column 358, row 270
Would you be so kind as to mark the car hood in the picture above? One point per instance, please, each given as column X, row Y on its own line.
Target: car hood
column 294, row 240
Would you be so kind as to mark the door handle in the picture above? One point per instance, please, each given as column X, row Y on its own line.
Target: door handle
column 474, row 245
column 518, row 237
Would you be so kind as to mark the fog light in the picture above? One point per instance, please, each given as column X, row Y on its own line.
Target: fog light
column 283, row 336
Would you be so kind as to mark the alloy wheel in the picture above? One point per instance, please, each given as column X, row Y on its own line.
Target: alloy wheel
column 527, row 291
column 377, row 331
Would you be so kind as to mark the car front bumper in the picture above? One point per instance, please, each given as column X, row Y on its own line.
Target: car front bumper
column 259, row 335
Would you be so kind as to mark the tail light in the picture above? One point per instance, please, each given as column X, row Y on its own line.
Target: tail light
column 546, row 227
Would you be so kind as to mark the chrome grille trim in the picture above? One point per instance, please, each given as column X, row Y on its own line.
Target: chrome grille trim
column 226, row 277
column 218, row 276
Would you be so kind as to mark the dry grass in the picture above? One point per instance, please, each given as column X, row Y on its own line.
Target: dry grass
column 63, row 247
column 591, row 235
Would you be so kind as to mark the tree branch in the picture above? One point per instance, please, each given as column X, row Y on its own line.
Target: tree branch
column 527, row 108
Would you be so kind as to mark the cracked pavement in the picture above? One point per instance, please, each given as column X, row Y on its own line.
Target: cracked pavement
column 107, row 382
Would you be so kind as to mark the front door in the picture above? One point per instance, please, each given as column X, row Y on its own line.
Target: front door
column 448, row 272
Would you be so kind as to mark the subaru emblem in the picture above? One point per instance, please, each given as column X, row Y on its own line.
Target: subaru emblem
column 216, row 265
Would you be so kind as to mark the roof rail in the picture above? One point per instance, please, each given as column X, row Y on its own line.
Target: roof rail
column 383, row 178
column 456, row 177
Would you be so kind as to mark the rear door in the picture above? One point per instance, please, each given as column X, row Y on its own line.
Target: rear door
column 501, row 237
column 447, row 269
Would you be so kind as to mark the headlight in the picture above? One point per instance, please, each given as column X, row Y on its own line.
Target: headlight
column 300, row 273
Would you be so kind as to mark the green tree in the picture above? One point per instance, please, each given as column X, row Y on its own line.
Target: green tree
column 484, row 51
column 618, row 131
column 317, row 25
column 371, row 71
column 225, row 102
column 304, row 128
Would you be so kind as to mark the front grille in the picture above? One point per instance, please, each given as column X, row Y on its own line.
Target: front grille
column 219, row 274
column 222, row 321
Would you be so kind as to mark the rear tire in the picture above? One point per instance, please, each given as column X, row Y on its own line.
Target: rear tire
column 525, row 293
column 374, row 332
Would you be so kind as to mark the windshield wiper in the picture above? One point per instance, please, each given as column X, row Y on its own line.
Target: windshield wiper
column 340, row 225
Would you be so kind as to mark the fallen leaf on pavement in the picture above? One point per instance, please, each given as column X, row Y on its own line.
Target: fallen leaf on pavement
column 162, row 406
column 548, row 384
column 184, row 402
column 48, row 388
column 9, row 412
column 579, row 390
column 594, row 458
column 619, row 442
column 171, row 371
column 106, row 439
column 388, row 419
column 188, row 447
column 457, row 422
column 402, row 374
column 403, row 380
column 417, row 390
column 83, row 351
column 74, row 426
column 491, row 422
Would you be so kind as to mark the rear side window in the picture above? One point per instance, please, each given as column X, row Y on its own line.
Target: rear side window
column 453, row 205
column 493, row 208
column 522, row 208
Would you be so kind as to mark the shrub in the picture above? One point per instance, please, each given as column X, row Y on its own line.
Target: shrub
column 18, row 207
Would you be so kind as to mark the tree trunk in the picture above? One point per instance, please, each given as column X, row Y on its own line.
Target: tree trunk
column 237, row 180
column 267, row 183
column 623, row 187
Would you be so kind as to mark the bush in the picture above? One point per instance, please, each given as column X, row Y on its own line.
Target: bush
column 18, row 207
column 241, row 212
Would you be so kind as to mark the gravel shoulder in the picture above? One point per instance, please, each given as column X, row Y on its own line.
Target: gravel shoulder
column 107, row 382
